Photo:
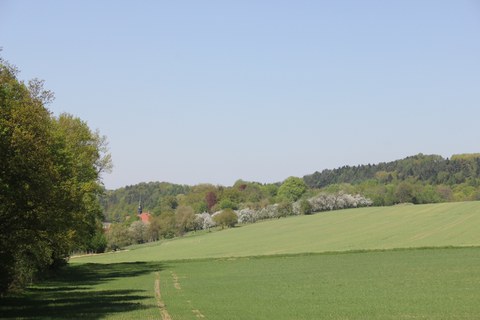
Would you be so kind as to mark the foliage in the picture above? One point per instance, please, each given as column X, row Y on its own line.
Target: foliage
column 227, row 204
column 118, row 236
column 162, row 197
column 211, row 200
column 429, row 169
column 326, row 202
column 137, row 232
column 157, row 197
column 225, row 218
column 98, row 243
column 203, row 221
column 49, row 183
column 292, row 189
column 247, row 216
column 403, row 226
column 302, row 207
column 184, row 219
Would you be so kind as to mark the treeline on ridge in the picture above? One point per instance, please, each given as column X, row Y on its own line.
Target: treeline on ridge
column 416, row 179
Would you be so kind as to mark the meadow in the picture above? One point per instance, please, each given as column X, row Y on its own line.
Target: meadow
column 403, row 262
column 404, row 226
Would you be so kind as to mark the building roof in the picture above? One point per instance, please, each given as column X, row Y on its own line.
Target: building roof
column 145, row 217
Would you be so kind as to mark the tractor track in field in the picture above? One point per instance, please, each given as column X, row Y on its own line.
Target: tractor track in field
column 158, row 297
column 176, row 284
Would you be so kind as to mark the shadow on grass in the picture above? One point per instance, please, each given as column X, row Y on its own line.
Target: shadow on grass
column 70, row 294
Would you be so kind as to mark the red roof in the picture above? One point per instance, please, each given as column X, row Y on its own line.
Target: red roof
column 145, row 217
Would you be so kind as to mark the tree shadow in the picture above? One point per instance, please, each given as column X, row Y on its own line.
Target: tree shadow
column 70, row 293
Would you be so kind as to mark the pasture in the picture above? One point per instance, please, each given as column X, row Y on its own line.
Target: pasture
column 335, row 265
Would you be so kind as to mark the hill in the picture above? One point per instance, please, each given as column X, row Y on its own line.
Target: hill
column 431, row 169
column 404, row 226
column 417, row 179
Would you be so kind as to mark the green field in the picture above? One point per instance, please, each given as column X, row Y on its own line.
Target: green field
column 293, row 268
column 419, row 284
column 446, row 224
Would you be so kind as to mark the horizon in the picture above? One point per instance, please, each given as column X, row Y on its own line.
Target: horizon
column 214, row 92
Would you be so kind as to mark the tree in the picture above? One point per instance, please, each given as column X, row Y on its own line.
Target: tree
column 211, row 199
column 227, row 204
column 138, row 232
column 226, row 218
column 292, row 189
column 184, row 219
column 404, row 193
column 118, row 237
column 49, row 181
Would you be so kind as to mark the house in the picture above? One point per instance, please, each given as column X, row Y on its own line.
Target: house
column 144, row 216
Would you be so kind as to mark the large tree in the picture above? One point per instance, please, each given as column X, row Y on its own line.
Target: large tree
column 292, row 189
column 49, row 181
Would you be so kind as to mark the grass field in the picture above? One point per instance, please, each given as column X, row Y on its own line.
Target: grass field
column 412, row 284
column 446, row 224
column 294, row 268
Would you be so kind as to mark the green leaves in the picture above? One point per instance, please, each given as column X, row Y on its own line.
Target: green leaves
column 49, row 181
column 292, row 189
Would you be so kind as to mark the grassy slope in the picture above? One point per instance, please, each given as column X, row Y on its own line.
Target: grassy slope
column 446, row 224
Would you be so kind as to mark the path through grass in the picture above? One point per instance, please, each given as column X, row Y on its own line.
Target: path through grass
column 410, row 284
column 395, row 284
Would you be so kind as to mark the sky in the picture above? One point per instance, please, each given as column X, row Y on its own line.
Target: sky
column 215, row 91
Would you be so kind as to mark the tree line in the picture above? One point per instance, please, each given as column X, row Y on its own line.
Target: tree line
column 169, row 225
column 50, row 171
column 429, row 169
column 417, row 179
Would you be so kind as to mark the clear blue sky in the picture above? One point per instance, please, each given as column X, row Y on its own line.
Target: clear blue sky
column 215, row 91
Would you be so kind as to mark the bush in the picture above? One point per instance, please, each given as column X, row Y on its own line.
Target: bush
column 284, row 209
column 98, row 244
column 302, row 207
column 118, row 237
column 226, row 218
column 325, row 202
column 247, row 216
column 227, row 204
column 203, row 221
column 184, row 219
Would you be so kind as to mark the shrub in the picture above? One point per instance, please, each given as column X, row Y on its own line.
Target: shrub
column 247, row 216
column 226, row 218
column 325, row 202
column 227, row 204
column 284, row 209
column 302, row 207
column 204, row 221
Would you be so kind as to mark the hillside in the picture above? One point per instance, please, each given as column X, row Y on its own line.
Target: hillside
column 417, row 179
column 431, row 169
column 405, row 226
